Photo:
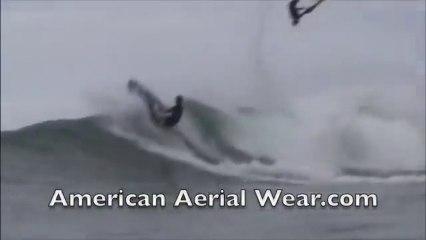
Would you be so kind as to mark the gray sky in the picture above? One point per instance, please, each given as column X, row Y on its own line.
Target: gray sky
column 57, row 56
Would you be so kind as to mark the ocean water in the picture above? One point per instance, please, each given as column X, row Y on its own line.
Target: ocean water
column 102, row 154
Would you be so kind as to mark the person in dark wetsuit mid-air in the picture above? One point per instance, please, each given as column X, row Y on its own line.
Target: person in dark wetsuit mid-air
column 161, row 116
column 296, row 13
column 171, row 116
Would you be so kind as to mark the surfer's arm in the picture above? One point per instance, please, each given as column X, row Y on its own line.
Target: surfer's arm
column 165, row 114
column 304, row 11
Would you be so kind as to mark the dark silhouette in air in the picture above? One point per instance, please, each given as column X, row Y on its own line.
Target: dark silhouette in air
column 296, row 13
column 161, row 116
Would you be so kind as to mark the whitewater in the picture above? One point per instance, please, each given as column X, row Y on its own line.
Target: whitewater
column 356, row 135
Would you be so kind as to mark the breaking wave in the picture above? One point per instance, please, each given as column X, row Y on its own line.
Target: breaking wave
column 318, row 139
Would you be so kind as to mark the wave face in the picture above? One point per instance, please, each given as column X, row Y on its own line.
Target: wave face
column 359, row 138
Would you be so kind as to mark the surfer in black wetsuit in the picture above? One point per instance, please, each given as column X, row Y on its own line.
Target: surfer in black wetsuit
column 296, row 13
column 161, row 116
column 171, row 116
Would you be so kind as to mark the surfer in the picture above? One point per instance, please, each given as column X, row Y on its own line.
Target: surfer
column 161, row 116
column 296, row 13
column 171, row 116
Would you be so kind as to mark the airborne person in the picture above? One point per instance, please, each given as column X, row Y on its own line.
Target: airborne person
column 161, row 116
column 296, row 13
